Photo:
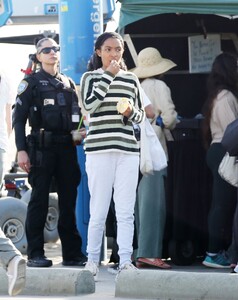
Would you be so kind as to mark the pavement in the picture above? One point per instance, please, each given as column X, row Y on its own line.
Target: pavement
column 59, row 282
column 180, row 283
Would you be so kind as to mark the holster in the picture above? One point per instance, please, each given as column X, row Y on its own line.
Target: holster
column 45, row 139
column 34, row 154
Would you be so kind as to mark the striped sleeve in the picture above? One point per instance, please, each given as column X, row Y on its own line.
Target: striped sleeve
column 138, row 113
column 94, row 88
column 107, row 130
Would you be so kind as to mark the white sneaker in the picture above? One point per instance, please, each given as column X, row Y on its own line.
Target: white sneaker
column 126, row 267
column 16, row 272
column 129, row 266
column 93, row 268
column 236, row 269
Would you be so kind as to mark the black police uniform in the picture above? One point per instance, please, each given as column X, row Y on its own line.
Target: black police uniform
column 50, row 103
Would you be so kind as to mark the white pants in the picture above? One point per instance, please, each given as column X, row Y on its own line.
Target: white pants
column 108, row 171
column 7, row 250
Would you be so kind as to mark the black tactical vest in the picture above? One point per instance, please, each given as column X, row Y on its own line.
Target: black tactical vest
column 54, row 105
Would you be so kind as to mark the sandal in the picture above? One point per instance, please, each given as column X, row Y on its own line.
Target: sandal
column 155, row 262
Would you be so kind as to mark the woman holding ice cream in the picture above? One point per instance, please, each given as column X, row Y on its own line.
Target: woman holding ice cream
column 112, row 97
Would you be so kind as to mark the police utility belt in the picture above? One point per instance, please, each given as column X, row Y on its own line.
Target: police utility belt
column 46, row 139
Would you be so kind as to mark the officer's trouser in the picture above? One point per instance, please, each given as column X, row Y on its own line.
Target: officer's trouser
column 61, row 162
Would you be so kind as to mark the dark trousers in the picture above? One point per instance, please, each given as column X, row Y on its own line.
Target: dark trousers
column 58, row 161
column 223, row 203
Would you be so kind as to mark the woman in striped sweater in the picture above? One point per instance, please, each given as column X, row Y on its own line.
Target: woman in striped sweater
column 111, row 95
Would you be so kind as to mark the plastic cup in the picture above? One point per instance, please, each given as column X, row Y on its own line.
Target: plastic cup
column 77, row 137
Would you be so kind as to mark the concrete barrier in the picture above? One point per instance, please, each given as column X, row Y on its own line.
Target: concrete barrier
column 171, row 285
column 53, row 281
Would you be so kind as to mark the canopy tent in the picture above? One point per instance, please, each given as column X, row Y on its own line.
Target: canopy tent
column 134, row 10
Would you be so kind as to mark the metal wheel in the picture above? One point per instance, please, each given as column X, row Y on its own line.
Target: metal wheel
column 12, row 221
column 50, row 231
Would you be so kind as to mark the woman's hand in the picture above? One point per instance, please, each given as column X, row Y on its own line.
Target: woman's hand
column 128, row 111
column 23, row 161
column 124, row 107
column 114, row 67
column 83, row 132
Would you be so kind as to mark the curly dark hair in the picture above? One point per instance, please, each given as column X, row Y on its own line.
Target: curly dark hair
column 223, row 75
column 95, row 61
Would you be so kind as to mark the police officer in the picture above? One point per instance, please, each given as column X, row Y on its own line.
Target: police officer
column 48, row 100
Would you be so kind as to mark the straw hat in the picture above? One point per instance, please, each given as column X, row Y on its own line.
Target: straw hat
column 151, row 63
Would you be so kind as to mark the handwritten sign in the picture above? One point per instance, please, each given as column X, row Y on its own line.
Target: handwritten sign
column 202, row 52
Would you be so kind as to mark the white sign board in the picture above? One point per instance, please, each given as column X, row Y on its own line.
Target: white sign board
column 202, row 52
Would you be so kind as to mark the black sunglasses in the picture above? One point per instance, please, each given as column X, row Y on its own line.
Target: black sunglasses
column 47, row 50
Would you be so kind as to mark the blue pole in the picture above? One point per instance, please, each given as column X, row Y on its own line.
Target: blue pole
column 80, row 23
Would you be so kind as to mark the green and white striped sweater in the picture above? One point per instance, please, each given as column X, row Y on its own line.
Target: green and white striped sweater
column 109, row 130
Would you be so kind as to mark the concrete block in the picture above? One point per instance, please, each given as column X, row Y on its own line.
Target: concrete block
column 173, row 285
column 53, row 281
